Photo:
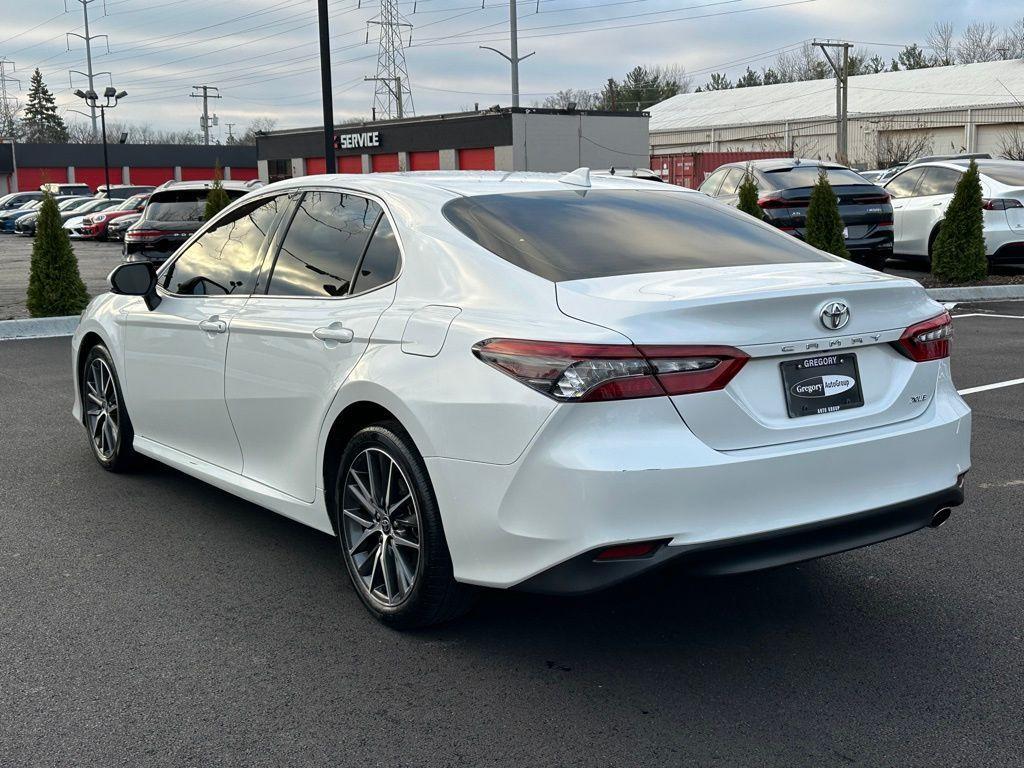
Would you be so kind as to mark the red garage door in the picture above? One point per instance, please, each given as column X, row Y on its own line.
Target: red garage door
column 154, row 176
column 29, row 179
column 315, row 165
column 350, row 164
column 476, row 159
column 244, row 174
column 95, row 177
column 384, row 163
column 424, row 161
column 196, row 174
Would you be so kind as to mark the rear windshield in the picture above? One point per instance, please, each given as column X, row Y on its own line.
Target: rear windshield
column 1009, row 175
column 807, row 176
column 182, row 204
column 569, row 235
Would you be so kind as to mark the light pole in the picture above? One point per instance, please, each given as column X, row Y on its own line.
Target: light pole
column 111, row 96
column 515, row 58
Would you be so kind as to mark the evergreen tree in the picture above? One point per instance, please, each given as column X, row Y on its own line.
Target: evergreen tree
column 217, row 199
column 911, row 57
column 749, row 79
column 55, row 287
column 958, row 254
column 748, row 196
column 718, row 82
column 41, row 122
column 824, row 227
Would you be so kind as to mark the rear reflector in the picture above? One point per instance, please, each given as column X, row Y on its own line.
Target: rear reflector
column 595, row 372
column 928, row 340
column 629, row 551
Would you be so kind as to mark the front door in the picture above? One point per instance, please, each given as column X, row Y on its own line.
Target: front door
column 175, row 354
column 292, row 348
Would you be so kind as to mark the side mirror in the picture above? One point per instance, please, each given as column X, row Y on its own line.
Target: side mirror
column 136, row 278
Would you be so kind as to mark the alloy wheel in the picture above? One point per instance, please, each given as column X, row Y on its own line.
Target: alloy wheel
column 380, row 527
column 101, row 409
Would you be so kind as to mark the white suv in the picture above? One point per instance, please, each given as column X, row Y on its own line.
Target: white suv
column 921, row 194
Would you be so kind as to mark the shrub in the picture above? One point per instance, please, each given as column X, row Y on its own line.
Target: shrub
column 55, row 287
column 824, row 227
column 217, row 199
column 958, row 254
column 748, row 196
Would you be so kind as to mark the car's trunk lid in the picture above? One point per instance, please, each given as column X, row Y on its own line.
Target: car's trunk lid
column 773, row 314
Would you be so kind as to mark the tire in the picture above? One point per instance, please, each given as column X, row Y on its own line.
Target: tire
column 395, row 551
column 104, row 415
column 931, row 244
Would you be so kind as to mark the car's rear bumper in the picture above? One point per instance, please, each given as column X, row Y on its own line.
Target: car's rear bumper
column 603, row 474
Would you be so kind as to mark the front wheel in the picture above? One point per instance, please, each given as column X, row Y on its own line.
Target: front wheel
column 106, row 419
column 390, row 532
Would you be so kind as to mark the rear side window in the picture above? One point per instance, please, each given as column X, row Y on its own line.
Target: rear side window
column 1008, row 175
column 569, row 235
column 807, row 176
column 380, row 264
column 181, row 205
column 904, row 184
column 324, row 243
column 938, row 181
column 732, row 182
column 225, row 258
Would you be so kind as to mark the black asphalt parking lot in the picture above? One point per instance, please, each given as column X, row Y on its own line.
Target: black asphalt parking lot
column 149, row 619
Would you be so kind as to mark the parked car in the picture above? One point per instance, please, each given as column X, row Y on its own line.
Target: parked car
column 578, row 401
column 921, row 194
column 870, row 176
column 94, row 226
column 10, row 216
column 123, row 191
column 173, row 213
column 630, row 173
column 26, row 225
column 66, row 189
column 91, row 205
column 966, row 156
column 117, row 227
column 15, row 201
column 785, row 187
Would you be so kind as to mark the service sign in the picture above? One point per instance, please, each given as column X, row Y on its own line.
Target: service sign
column 357, row 140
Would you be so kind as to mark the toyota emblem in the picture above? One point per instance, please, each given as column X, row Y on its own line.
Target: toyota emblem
column 834, row 315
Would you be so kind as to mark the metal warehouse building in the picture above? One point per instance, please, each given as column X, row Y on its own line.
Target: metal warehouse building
column 940, row 110
column 502, row 139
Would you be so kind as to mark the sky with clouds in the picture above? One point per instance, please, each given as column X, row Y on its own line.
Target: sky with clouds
column 262, row 54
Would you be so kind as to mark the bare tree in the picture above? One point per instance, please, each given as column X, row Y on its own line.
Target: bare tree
column 978, row 43
column 1012, row 43
column 1011, row 144
column 940, row 40
column 674, row 73
column 580, row 98
column 892, row 147
column 257, row 126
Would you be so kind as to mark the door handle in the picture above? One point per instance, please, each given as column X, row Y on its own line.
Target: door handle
column 213, row 325
column 334, row 332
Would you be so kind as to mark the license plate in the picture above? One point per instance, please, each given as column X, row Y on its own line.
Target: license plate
column 846, row 233
column 821, row 384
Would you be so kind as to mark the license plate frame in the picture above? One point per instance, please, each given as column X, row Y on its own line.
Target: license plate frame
column 820, row 384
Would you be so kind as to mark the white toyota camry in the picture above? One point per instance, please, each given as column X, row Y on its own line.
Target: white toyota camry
column 545, row 382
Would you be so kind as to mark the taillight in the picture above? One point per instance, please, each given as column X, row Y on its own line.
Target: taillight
column 594, row 372
column 139, row 235
column 771, row 201
column 928, row 340
column 1000, row 203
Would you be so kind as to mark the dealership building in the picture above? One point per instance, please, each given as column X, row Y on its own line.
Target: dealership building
column 24, row 167
column 502, row 139
column 938, row 110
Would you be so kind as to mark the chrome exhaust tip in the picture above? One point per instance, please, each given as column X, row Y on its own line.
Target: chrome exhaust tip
column 940, row 516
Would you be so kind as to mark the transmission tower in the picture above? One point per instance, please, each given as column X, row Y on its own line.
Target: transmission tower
column 8, row 104
column 392, row 95
column 89, row 74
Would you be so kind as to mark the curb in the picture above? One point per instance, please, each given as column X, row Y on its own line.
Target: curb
column 977, row 293
column 38, row 327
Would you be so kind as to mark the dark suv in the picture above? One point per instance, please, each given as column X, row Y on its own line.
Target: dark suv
column 173, row 213
column 784, row 191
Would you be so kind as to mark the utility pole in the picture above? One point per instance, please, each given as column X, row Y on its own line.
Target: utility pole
column 8, row 104
column 326, row 91
column 205, row 95
column 392, row 96
column 89, row 73
column 514, row 58
column 231, row 136
column 841, row 66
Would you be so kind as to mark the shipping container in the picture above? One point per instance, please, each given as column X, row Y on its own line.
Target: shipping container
column 690, row 169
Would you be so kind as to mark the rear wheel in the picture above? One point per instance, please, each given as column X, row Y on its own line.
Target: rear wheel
column 390, row 532
column 105, row 417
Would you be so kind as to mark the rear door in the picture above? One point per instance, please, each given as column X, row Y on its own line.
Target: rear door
column 927, row 207
column 332, row 275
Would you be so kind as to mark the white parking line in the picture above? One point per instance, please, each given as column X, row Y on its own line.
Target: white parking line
column 986, row 387
column 986, row 314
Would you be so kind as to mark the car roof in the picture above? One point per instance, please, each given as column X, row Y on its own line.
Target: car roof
column 464, row 183
column 782, row 164
column 960, row 165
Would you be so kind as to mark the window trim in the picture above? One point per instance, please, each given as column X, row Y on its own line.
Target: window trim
column 261, row 258
column 277, row 243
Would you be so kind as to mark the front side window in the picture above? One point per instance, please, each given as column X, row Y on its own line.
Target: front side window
column 325, row 241
column 225, row 258
column 570, row 235
column 938, row 181
column 904, row 184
